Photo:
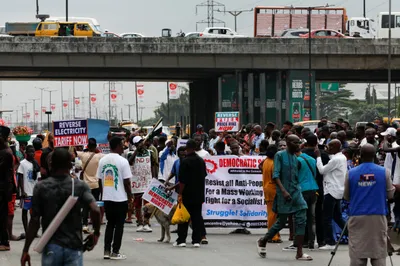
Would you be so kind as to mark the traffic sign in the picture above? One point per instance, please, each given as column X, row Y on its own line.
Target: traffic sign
column 332, row 87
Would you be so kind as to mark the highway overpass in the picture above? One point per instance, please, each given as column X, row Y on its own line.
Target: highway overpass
column 356, row 60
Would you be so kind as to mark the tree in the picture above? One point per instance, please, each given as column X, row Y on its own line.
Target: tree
column 337, row 104
column 177, row 108
column 374, row 97
column 368, row 94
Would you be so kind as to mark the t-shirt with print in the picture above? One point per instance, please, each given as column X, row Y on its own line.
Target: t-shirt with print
column 90, row 174
column 26, row 170
column 112, row 170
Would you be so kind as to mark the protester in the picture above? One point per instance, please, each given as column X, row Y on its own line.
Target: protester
column 342, row 137
column 235, row 148
column 286, row 127
column 28, row 175
column 115, row 174
column 276, row 136
column 21, row 150
column 334, row 175
column 324, row 135
column 154, row 156
column 37, row 145
column 6, row 179
column 310, row 146
column 367, row 223
column 269, row 188
column 203, row 135
column 220, row 148
column 161, row 143
column 192, row 175
column 390, row 142
column 282, row 145
column 269, row 128
column 65, row 246
column 199, row 150
column 370, row 138
column 167, row 159
column 288, row 198
column 44, row 160
column 175, row 169
column 214, row 138
column 90, row 163
column 141, row 163
column 263, row 147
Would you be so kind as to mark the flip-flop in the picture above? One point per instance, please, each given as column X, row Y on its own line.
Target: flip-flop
column 305, row 257
column 262, row 251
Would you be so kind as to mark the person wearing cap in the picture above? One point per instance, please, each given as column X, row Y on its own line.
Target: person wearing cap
column 90, row 162
column 167, row 158
column 141, row 167
column 390, row 142
column 204, row 136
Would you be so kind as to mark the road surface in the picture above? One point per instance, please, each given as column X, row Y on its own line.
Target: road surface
column 223, row 249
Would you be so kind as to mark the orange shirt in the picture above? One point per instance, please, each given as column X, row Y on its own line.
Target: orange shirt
column 269, row 185
column 37, row 156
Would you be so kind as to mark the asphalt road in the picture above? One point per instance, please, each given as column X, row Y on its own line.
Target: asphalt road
column 223, row 249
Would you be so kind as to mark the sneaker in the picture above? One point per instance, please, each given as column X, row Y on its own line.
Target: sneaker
column 140, row 228
column 117, row 256
column 106, row 255
column 85, row 230
column 262, row 251
column 204, row 241
column 181, row 245
column 147, row 229
column 327, row 247
column 196, row 245
column 290, row 248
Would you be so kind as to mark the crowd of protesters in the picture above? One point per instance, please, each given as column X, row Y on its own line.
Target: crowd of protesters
column 307, row 182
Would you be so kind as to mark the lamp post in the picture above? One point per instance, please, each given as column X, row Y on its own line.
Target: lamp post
column 34, row 114
column 49, row 112
column 389, row 57
column 41, row 105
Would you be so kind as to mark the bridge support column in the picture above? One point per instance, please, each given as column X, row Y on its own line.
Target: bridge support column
column 250, row 95
column 203, row 103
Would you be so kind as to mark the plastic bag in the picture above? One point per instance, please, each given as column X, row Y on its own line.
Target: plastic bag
column 181, row 215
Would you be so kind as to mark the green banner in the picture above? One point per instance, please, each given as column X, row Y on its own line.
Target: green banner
column 229, row 97
column 301, row 105
column 332, row 87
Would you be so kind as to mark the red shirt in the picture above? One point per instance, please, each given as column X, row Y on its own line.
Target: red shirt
column 37, row 156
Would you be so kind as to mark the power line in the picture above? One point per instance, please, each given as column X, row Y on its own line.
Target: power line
column 211, row 20
column 235, row 14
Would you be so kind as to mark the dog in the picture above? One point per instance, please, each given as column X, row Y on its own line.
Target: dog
column 163, row 219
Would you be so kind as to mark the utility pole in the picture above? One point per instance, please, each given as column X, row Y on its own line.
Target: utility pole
column 390, row 57
column 34, row 115
column 129, row 108
column 137, row 105
column 49, row 112
column 73, row 100
column 235, row 14
column 90, row 101
column 62, row 101
column 26, row 112
column 41, row 105
column 211, row 20
column 109, row 100
column 66, row 10
column 168, row 105
column 364, row 9
column 37, row 7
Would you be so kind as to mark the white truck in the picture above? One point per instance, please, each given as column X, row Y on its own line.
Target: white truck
column 369, row 28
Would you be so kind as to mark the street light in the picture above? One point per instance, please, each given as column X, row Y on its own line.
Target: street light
column 389, row 57
column 49, row 112
column 34, row 114
column 41, row 104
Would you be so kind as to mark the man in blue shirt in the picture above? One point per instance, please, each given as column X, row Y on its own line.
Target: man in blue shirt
column 175, row 169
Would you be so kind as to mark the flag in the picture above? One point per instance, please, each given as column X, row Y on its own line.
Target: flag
column 173, row 91
column 157, row 129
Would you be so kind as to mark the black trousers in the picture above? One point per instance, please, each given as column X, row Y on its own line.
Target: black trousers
column 197, row 224
column 85, row 210
column 3, row 220
column 332, row 211
column 319, row 219
column 115, row 214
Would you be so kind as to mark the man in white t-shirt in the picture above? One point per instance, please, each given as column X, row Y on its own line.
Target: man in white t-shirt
column 199, row 150
column 28, row 175
column 115, row 173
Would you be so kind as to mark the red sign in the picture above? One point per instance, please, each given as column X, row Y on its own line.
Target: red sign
column 93, row 98
column 36, row 112
column 65, row 104
column 173, row 86
column 28, row 115
column 43, row 109
column 77, row 101
column 53, row 107
column 113, row 95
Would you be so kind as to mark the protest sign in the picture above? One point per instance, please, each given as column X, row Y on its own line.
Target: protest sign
column 181, row 142
column 234, row 192
column 227, row 121
column 70, row 133
column 141, row 173
column 156, row 195
column 104, row 148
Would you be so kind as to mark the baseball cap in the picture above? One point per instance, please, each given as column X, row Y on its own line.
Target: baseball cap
column 137, row 139
column 389, row 131
column 199, row 126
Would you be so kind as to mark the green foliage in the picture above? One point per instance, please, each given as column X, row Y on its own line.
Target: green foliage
column 368, row 94
column 336, row 104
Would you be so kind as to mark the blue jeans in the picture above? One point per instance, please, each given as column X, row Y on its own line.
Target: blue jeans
column 55, row 255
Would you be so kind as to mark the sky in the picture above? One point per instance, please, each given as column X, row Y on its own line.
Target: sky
column 148, row 18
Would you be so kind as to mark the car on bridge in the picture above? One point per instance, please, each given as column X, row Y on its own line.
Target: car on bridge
column 192, row 35
column 220, row 32
column 131, row 35
column 108, row 34
column 323, row 33
column 293, row 33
